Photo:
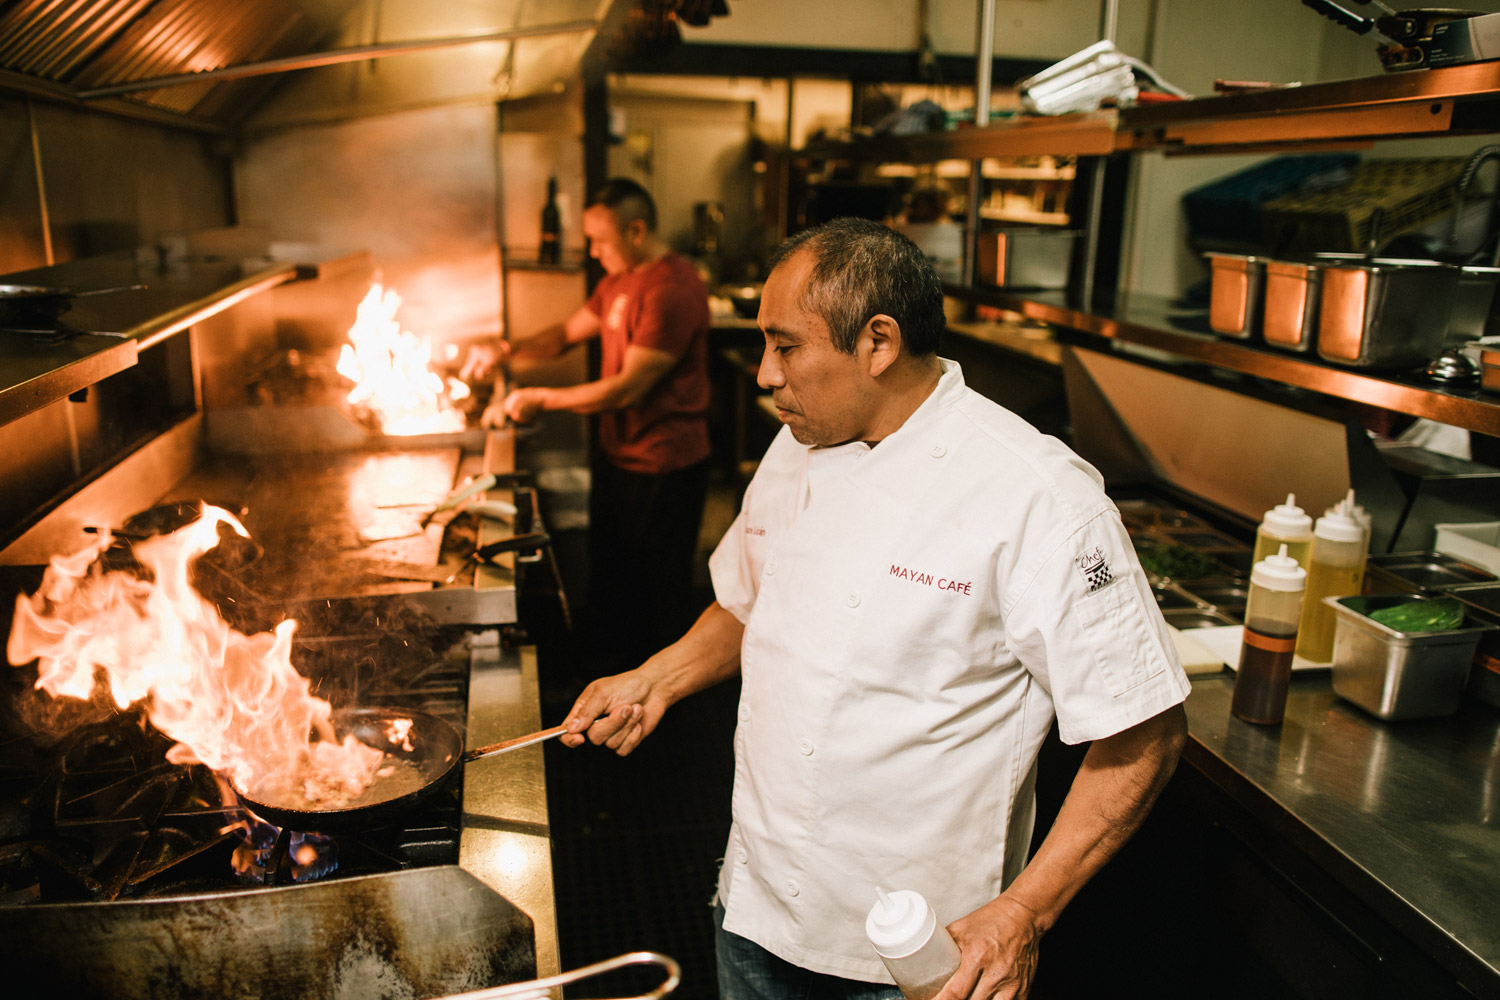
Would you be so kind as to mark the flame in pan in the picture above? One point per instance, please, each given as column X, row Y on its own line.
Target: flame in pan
column 392, row 374
column 231, row 701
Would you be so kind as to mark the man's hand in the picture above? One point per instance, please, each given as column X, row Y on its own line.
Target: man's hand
column 1110, row 796
column 483, row 359
column 998, row 948
column 524, row 405
column 617, row 712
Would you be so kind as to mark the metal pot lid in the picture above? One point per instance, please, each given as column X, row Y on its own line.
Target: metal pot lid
column 1453, row 366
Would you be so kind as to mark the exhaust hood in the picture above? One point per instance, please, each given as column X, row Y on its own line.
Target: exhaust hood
column 215, row 63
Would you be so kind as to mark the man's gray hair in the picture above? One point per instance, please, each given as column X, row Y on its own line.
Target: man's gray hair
column 862, row 269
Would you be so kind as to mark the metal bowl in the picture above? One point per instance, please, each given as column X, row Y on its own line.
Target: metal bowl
column 746, row 299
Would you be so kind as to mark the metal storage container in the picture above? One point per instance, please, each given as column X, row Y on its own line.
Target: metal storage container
column 1484, row 676
column 1025, row 257
column 1235, row 294
column 1399, row 675
column 1489, row 373
column 1473, row 296
column 1384, row 313
column 1419, row 572
column 1291, row 309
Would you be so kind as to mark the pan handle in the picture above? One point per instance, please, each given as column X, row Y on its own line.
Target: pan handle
column 540, row 989
column 515, row 744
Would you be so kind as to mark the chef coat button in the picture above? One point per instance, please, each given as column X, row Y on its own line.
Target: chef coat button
column 853, row 599
column 938, row 451
column 770, row 566
column 744, row 713
column 791, row 888
column 741, row 855
column 806, row 747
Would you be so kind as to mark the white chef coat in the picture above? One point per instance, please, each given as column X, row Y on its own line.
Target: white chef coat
column 915, row 613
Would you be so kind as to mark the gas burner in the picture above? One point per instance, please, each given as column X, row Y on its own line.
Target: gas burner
column 101, row 815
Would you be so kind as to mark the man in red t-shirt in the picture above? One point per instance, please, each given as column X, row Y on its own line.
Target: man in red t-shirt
column 650, row 313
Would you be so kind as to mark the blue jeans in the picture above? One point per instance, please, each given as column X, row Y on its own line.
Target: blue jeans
column 749, row 972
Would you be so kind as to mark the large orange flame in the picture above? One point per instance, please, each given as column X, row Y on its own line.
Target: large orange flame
column 231, row 701
column 391, row 371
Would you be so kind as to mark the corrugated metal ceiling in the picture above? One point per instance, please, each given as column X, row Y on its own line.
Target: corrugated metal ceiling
column 89, row 43
column 78, row 46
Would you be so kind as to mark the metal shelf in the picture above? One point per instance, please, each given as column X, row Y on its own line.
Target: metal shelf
column 1154, row 322
column 1451, row 100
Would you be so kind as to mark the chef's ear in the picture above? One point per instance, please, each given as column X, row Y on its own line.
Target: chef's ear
column 884, row 338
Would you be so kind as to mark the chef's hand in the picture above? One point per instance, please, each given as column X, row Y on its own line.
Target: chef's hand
column 523, row 405
column 617, row 712
column 483, row 359
column 997, row 944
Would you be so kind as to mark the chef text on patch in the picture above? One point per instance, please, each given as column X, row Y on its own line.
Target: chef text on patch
column 1095, row 568
column 928, row 580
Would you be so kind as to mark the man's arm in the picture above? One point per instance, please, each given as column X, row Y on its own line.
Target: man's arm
column 1115, row 788
column 548, row 342
column 621, row 710
column 640, row 370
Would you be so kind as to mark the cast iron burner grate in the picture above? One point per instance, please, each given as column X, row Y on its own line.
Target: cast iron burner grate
column 101, row 815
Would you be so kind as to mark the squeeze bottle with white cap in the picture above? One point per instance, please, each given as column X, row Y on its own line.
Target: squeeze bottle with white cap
column 1358, row 512
column 1285, row 524
column 1271, row 614
column 919, row 953
column 1336, row 569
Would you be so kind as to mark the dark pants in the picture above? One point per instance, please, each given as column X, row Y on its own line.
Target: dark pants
column 749, row 972
column 643, row 539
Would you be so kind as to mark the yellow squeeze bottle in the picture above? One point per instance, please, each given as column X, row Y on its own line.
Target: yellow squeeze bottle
column 1336, row 569
column 1285, row 524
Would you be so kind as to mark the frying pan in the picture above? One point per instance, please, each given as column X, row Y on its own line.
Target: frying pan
column 436, row 748
column 40, row 304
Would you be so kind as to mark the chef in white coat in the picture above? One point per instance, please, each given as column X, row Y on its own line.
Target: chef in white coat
column 917, row 585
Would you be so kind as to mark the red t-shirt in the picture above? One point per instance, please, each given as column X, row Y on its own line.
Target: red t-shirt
column 663, row 306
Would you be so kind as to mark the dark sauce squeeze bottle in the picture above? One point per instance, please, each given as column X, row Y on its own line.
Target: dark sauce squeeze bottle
column 1272, row 611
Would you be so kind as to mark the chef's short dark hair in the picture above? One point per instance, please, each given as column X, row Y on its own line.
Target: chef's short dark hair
column 627, row 199
column 862, row 269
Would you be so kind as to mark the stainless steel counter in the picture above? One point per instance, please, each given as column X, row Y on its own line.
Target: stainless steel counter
column 1406, row 815
column 506, row 841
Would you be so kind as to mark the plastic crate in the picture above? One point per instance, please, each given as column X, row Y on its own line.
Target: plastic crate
column 1407, row 193
column 1229, row 208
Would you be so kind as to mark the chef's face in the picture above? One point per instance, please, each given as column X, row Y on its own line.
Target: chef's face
column 613, row 245
column 822, row 394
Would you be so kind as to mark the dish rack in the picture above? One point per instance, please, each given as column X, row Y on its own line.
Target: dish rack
column 1383, row 199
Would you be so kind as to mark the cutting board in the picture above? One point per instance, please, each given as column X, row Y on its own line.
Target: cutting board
column 1224, row 642
column 1195, row 656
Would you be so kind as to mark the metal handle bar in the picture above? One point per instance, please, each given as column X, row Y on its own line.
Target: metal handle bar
column 540, row 989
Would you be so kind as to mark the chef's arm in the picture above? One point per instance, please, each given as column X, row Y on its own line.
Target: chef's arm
column 641, row 369
column 621, row 710
column 553, row 340
column 1115, row 788
column 485, row 359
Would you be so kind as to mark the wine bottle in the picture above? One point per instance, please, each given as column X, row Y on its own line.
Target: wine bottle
column 551, row 247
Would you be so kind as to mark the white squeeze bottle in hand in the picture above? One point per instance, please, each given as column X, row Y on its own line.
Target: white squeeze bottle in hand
column 919, row 954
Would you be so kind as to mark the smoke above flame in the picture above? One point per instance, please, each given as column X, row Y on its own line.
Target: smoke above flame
column 233, row 702
column 392, row 374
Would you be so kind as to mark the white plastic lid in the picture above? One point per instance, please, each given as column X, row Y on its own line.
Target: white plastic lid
column 1339, row 526
column 1287, row 520
column 899, row 923
column 1279, row 572
column 1353, row 509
